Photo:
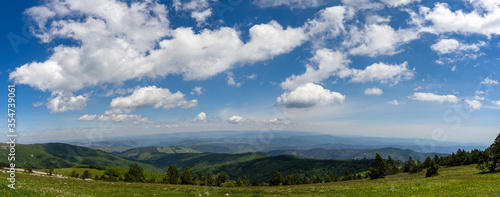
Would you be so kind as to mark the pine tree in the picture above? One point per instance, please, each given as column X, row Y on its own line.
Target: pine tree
column 239, row 183
column 51, row 170
column 409, row 165
column 74, row 174
column 432, row 169
column 29, row 169
column 221, row 178
column 135, row 174
column 246, row 180
column 276, row 179
column 491, row 161
column 379, row 168
column 187, row 177
column 329, row 178
column 392, row 168
column 255, row 182
column 173, row 175
column 86, row 174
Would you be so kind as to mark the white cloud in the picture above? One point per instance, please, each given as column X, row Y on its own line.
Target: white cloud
column 383, row 72
column 200, row 9
column 309, row 95
column 328, row 24
column 393, row 102
column 152, row 96
column 489, row 81
column 37, row 104
column 396, row 3
column 292, row 4
column 197, row 91
column 420, row 96
column 374, row 91
column 496, row 102
column 329, row 62
column 335, row 63
column 252, row 76
column 201, row 117
column 61, row 101
column 441, row 19
column 230, row 80
column 132, row 44
column 474, row 104
column 87, row 117
column 378, row 39
column 479, row 98
column 481, row 92
column 235, row 119
column 135, row 119
column 445, row 46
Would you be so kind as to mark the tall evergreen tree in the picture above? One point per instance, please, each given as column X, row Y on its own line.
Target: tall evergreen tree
column 432, row 169
column 276, row 179
column 221, row 178
column 379, row 168
column 173, row 175
column 391, row 166
column 135, row 174
column 408, row 165
column 187, row 177
column 51, row 170
column 491, row 161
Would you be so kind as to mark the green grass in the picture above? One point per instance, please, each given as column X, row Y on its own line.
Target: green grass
column 452, row 181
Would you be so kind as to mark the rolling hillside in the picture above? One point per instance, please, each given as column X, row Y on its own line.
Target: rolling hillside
column 342, row 154
column 60, row 155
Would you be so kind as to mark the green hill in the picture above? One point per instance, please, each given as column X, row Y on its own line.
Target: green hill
column 319, row 153
column 452, row 181
column 58, row 155
column 144, row 153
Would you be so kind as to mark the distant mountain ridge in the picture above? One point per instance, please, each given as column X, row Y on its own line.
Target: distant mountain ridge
column 343, row 154
column 265, row 141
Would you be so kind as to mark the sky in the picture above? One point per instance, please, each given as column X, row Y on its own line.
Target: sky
column 384, row 68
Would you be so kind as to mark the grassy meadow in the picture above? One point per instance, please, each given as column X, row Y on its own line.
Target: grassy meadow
column 451, row 181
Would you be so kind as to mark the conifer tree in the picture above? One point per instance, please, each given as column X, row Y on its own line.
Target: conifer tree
column 379, row 168
column 173, row 175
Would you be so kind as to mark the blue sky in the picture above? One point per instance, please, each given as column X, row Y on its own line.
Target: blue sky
column 388, row 68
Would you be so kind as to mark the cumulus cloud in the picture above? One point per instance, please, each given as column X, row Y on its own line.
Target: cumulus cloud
column 383, row 72
column 135, row 119
column 152, row 96
column 230, row 80
column 328, row 63
column 197, row 91
column 87, row 117
column 334, row 63
column 396, row 3
column 421, row 96
column 378, row 39
column 132, row 44
column 441, row 19
column 61, row 101
column 235, row 119
column 373, row 91
column 496, row 102
column 393, row 102
column 445, row 46
column 201, row 117
column 292, row 4
column 474, row 104
column 200, row 9
column 309, row 95
column 489, row 81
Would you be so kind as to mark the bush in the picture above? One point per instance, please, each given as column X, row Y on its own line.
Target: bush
column 228, row 184
column 432, row 170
